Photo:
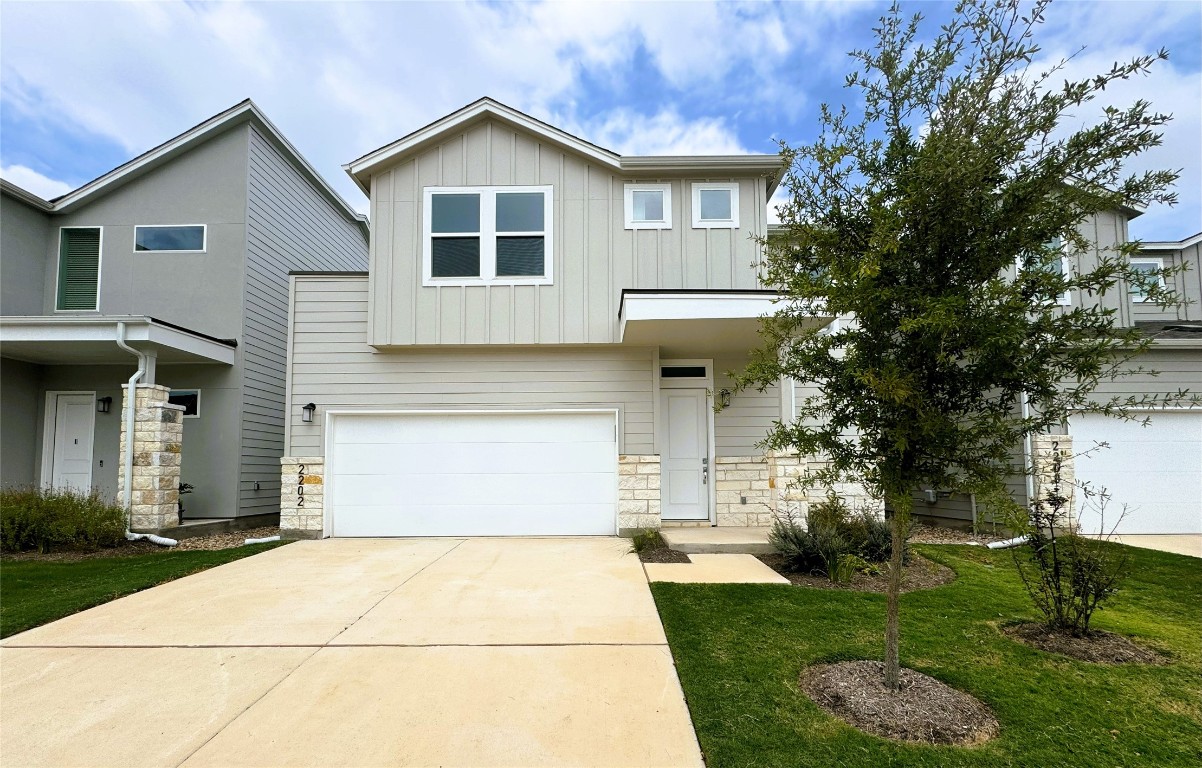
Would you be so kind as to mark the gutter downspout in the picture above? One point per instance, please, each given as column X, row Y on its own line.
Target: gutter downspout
column 1028, row 458
column 131, row 399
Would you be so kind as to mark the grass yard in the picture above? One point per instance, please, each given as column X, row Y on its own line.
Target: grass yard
column 740, row 648
column 33, row 593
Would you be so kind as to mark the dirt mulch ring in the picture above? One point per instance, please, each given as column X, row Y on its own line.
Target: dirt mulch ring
column 1098, row 647
column 924, row 710
column 143, row 547
column 663, row 555
column 921, row 573
column 929, row 534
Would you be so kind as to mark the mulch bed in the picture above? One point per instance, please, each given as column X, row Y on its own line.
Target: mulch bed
column 1098, row 647
column 663, row 555
column 923, row 710
column 143, row 547
column 930, row 534
column 921, row 573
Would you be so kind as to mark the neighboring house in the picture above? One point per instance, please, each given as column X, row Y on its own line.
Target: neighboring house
column 185, row 250
column 538, row 344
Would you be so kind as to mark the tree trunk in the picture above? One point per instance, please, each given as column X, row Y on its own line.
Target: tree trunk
column 901, row 520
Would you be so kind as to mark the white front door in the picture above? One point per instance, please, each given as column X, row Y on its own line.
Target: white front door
column 684, row 454
column 74, row 418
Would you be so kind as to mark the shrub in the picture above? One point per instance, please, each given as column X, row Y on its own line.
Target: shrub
column 644, row 539
column 827, row 536
column 46, row 519
column 1067, row 576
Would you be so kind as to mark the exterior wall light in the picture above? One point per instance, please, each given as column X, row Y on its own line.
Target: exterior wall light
column 724, row 398
column 307, row 412
column 104, row 404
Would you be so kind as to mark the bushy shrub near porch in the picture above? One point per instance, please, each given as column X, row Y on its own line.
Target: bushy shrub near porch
column 831, row 540
column 47, row 519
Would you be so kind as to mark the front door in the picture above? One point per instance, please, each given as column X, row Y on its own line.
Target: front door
column 684, row 454
column 74, row 416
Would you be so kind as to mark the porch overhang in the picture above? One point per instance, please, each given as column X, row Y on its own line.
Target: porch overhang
column 72, row 340
column 695, row 323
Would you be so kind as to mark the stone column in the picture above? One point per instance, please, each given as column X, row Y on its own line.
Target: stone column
column 302, row 497
column 1044, row 450
column 158, row 445
column 638, row 493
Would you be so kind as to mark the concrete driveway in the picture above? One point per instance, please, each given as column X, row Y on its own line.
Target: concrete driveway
column 361, row 652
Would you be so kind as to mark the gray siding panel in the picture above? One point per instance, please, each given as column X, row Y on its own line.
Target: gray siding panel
column 338, row 369
column 24, row 233
column 290, row 226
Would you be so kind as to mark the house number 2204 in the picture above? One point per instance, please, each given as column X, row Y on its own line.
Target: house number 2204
column 300, row 486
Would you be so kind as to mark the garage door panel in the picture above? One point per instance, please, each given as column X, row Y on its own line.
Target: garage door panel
column 473, row 474
column 473, row 520
column 1155, row 471
column 472, row 458
column 448, row 490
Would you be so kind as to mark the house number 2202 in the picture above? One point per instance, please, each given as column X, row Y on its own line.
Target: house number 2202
column 300, row 486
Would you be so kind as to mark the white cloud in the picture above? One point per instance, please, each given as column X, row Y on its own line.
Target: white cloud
column 32, row 181
column 664, row 133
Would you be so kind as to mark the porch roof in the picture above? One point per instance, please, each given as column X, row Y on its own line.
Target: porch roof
column 92, row 340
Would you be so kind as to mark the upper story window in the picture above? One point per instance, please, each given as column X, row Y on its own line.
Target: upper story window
column 178, row 238
column 715, row 206
column 648, row 206
column 488, row 235
column 1147, row 265
column 78, row 269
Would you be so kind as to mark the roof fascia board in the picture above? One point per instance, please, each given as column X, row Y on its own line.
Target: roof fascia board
column 25, row 196
column 1167, row 245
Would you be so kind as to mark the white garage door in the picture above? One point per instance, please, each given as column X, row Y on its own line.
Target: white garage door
column 1155, row 470
column 473, row 474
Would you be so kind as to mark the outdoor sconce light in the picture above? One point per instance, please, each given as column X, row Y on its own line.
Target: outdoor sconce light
column 103, row 404
column 724, row 398
column 307, row 412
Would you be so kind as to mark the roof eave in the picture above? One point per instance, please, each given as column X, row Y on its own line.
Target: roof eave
column 1165, row 245
column 25, row 196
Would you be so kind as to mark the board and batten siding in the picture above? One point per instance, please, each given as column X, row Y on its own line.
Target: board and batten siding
column 1188, row 285
column 334, row 367
column 290, row 226
column 595, row 257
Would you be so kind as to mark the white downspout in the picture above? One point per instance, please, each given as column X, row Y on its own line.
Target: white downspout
column 1028, row 458
column 131, row 399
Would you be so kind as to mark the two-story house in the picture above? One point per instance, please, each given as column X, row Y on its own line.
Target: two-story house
column 175, row 264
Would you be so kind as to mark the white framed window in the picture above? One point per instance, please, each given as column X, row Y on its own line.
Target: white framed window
column 1060, row 266
column 715, row 205
column 1146, row 265
column 170, row 238
column 648, row 206
column 488, row 236
column 189, row 399
column 79, row 255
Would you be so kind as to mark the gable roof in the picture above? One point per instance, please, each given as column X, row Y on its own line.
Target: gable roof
column 362, row 168
column 1170, row 245
column 245, row 111
column 24, row 195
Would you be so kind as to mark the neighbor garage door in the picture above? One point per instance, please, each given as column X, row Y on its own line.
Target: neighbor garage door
column 473, row 474
column 1155, row 470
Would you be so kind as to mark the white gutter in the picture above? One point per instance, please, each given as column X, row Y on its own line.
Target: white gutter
column 1028, row 457
column 131, row 399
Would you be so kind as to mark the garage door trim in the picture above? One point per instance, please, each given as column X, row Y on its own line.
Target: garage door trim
column 328, row 437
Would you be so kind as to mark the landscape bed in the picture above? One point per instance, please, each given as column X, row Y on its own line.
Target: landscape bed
column 741, row 651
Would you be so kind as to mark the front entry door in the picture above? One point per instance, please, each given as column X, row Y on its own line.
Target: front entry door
column 684, row 454
column 74, row 418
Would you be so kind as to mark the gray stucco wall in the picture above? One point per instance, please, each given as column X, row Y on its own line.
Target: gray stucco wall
column 23, row 235
column 595, row 256
column 21, row 385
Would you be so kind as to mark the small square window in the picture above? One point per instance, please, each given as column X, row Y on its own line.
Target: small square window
column 189, row 399
column 648, row 206
column 716, row 206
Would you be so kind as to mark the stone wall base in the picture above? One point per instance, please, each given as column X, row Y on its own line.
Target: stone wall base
column 157, row 447
column 638, row 494
column 754, row 490
column 302, row 497
column 1044, row 449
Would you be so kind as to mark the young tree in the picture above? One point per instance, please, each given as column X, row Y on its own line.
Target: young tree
column 935, row 219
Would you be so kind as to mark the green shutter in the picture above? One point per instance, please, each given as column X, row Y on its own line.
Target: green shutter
column 78, row 268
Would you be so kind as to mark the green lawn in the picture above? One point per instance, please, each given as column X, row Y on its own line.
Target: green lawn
column 34, row 593
column 739, row 649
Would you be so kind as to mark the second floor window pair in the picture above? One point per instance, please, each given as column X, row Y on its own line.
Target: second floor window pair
column 479, row 235
column 714, row 205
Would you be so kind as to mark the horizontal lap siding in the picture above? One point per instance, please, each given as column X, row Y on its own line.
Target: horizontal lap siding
column 743, row 424
column 335, row 368
column 290, row 226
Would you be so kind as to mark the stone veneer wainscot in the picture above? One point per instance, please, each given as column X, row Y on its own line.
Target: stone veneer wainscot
column 302, row 497
column 158, row 445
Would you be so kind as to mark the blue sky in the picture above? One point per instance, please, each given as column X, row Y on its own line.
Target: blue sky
column 86, row 86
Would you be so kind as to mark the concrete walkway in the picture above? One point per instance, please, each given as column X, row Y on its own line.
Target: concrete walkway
column 451, row 652
column 1177, row 543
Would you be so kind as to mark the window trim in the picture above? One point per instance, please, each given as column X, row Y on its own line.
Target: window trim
column 1159, row 262
column 58, row 268
column 732, row 222
column 204, row 234
column 488, row 236
column 187, row 390
column 628, row 191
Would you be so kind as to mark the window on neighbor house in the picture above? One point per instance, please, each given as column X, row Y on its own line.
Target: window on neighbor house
column 188, row 398
column 1060, row 266
column 187, row 238
column 715, row 206
column 78, row 269
column 648, row 206
column 481, row 235
column 1148, row 266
